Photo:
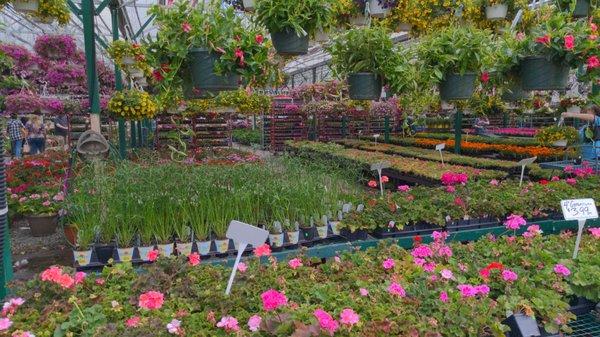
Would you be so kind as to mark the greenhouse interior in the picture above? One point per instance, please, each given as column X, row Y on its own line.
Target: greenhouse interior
column 300, row 168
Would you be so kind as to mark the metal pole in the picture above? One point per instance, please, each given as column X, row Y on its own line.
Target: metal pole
column 457, row 131
column 118, row 81
column 88, row 11
column 133, row 134
column 139, row 132
column 7, row 273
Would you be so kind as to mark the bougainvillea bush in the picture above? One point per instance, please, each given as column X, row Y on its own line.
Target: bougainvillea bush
column 434, row 289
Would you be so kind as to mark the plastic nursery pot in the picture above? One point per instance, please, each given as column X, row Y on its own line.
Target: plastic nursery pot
column 82, row 257
column 143, row 252
column 293, row 237
column 104, row 252
column 582, row 9
column 322, row 231
column 353, row 236
column 184, row 248
column 457, row 87
column 203, row 247
column 539, row 73
column 308, row 233
column 70, row 234
column 42, row 225
column 289, row 43
column 364, row 86
column 496, row 12
column 25, row 6
column 404, row 27
column 201, row 80
column 248, row 5
column 334, row 227
column 125, row 254
column 376, row 9
column 276, row 240
column 222, row 246
column 165, row 250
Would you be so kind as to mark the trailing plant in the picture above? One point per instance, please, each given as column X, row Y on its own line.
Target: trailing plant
column 55, row 47
column 132, row 105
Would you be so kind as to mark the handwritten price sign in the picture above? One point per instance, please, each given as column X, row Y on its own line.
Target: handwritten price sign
column 579, row 209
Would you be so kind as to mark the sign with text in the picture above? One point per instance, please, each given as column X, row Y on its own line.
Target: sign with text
column 244, row 234
column 579, row 209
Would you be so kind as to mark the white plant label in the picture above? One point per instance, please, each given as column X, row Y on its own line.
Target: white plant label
column 441, row 147
column 379, row 167
column 560, row 143
column 244, row 234
column 580, row 210
column 346, row 208
column 523, row 163
column 360, row 208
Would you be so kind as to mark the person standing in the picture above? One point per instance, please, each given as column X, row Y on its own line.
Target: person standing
column 16, row 135
column 590, row 134
column 61, row 128
column 36, row 135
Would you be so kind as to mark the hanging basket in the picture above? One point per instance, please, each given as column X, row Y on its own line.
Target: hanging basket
column 582, row 9
column 539, row 73
column 201, row 80
column 377, row 10
column 26, row 6
column 248, row 5
column 290, row 43
column 457, row 87
column 364, row 86
column 514, row 92
column 496, row 12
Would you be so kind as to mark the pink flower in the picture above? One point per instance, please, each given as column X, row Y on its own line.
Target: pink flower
column 571, row 181
column 569, row 42
column 593, row 62
column 273, row 299
column 555, row 178
column 445, row 251
column 467, row 290
column 447, row 274
column 450, row 189
column 22, row 199
column 595, row 232
column 264, row 250
column 422, row 251
column 254, row 323
column 419, row 261
column 593, row 37
column 99, row 281
column 385, row 179
column 458, row 201
column 388, row 264
column 593, row 27
column 568, row 169
column 194, row 259
column 485, row 77
column 372, row 183
column 349, row 317
column 153, row 255
column 403, row 188
column 514, row 222
column 239, row 54
column 363, row 292
column 174, row 327
column 242, row 267
column 520, row 36
column 337, row 259
column 482, row 289
column 562, row 270
column 229, row 323
column 494, row 182
column 429, row 267
column 444, row 296
column 186, row 27
column 23, row 334
column 544, row 39
column 151, row 300
column 509, row 275
column 439, row 236
column 5, row 323
column 532, row 231
column 133, row 321
column 295, row 263
column 79, row 277
column 59, row 197
column 396, row 289
column 326, row 321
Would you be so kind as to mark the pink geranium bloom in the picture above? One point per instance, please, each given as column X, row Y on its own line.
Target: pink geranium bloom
column 186, row 27
column 396, row 290
column 571, row 181
column 242, row 267
column 263, row 250
column 174, row 327
column 153, row 255
column 326, row 321
column 295, row 263
column 372, row 183
column 595, row 232
column 543, row 40
column 349, row 317
column 5, row 324
column 254, row 323
column 532, row 231
column 509, row 275
column 429, row 267
column 444, row 296
column 273, row 299
column 593, row 62
column 388, row 264
column 445, row 251
column 23, row 334
column 363, row 292
column 494, row 182
column 133, row 321
column 439, row 236
column 450, row 189
column 151, row 300
column 422, row 251
column 562, row 270
column 467, row 290
column 514, row 222
column 229, row 323
column 385, row 179
column 419, row 261
column 194, row 259
column 555, row 178
column 569, row 42
column 447, row 274
column 568, row 169
column 79, row 277
column 403, row 188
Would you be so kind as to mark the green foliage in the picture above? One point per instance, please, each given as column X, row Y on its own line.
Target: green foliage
column 548, row 135
column 83, row 323
column 304, row 17
column 246, row 136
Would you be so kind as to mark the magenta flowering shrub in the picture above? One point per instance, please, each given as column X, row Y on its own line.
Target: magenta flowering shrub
column 55, row 47
column 451, row 178
column 26, row 64
column 54, row 105
column 23, row 103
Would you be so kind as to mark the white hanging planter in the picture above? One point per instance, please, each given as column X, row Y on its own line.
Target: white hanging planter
column 358, row 21
column 334, row 227
column 293, row 237
column 184, row 248
column 276, row 239
column 165, row 250
column 143, row 251
column 248, row 5
column 574, row 109
column 128, row 60
column 496, row 12
column 222, row 245
column 203, row 247
column 26, row 6
column 82, row 257
column 125, row 254
column 377, row 10
column 322, row 231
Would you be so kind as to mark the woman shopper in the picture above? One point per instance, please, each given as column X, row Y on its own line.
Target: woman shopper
column 590, row 134
column 36, row 135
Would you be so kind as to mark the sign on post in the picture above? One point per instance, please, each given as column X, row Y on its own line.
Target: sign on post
column 379, row 167
column 376, row 136
column 580, row 210
column 560, row 143
column 523, row 163
column 244, row 234
column 440, row 147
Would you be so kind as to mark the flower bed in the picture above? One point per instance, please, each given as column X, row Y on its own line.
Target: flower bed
column 481, row 139
column 405, row 166
column 521, row 132
column 439, row 288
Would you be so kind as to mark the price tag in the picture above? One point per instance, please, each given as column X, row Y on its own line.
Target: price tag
column 526, row 161
column 579, row 209
column 560, row 143
column 244, row 234
column 380, row 166
column 440, row 147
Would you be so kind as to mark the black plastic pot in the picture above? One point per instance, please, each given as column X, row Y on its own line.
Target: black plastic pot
column 289, row 43
column 307, row 234
column 457, row 87
column 522, row 326
column 364, row 86
column 200, row 80
column 41, row 225
column 353, row 236
column 382, row 233
column 104, row 253
column 539, row 73
column 582, row 9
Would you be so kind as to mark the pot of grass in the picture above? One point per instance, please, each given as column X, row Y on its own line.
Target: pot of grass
column 221, row 241
column 125, row 237
column 292, row 232
column 184, row 241
column 82, row 253
column 145, row 231
column 105, row 247
column 275, row 234
column 322, row 228
column 163, row 233
column 201, row 230
column 334, row 223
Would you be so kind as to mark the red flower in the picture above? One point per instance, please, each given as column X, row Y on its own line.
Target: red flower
column 593, row 62
column 544, row 39
column 485, row 77
column 239, row 54
column 186, row 27
column 569, row 42
column 543, row 182
column 417, row 240
column 495, row 265
column 259, row 38
column 484, row 273
column 157, row 75
column 593, row 27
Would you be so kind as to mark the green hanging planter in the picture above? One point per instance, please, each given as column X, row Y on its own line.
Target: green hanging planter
column 289, row 43
column 582, row 9
column 364, row 86
column 539, row 73
column 514, row 92
column 457, row 87
column 200, row 80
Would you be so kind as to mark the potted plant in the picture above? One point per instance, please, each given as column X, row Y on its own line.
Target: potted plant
column 292, row 231
column 23, row 103
column 125, row 233
column 200, row 228
column 26, row 6
column 146, row 234
column 381, row 8
column 82, row 251
column 572, row 104
column 291, row 23
column 364, row 55
column 163, row 232
column 452, row 58
column 275, row 234
column 40, row 211
column 55, row 47
column 495, row 9
column 307, row 229
column 322, row 226
column 50, row 10
column 132, row 104
column 577, row 8
column 184, row 241
column 553, row 48
column 221, row 241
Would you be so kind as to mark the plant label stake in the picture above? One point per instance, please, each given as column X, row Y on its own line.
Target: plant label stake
column 379, row 167
column 560, row 143
column 376, row 136
column 244, row 234
column 440, row 147
column 523, row 163
column 580, row 210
